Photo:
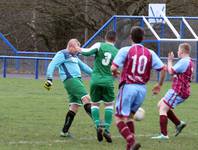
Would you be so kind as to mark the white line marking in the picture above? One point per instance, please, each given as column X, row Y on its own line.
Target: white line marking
column 65, row 140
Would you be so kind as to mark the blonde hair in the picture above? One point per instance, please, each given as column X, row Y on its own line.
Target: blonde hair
column 185, row 47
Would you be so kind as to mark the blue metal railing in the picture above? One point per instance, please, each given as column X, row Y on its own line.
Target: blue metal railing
column 114, row 20
column 37, row 59
column 36, row 65
column 8, row 43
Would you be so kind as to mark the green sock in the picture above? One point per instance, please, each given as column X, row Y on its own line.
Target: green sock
column 95, row 115
column 108, row 117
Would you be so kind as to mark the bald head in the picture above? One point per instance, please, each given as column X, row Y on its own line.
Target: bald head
column 73, row 45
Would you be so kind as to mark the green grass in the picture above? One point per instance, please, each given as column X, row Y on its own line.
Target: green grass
column 31, row 119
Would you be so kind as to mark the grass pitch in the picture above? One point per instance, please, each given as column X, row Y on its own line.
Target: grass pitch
column 31, row 119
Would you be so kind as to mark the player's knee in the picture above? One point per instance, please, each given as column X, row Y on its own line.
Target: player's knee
column 163, row 109
column 117, row 119
column 74, row 108
column 95, row 104
column 159, row 104
column 110, row 104
column 87, row 108
column 85, row 99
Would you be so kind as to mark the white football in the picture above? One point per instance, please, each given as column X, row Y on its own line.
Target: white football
column 139, row 115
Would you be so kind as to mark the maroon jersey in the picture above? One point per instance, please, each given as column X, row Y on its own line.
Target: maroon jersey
column 137, row 66
column 181, row 80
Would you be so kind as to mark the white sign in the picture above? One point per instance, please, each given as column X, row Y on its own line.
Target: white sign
column 156, row 10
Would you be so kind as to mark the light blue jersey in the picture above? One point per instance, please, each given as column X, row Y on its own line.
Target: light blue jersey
column 137, row 62
column 69, row 66
column 120, row 58
column 182, row 65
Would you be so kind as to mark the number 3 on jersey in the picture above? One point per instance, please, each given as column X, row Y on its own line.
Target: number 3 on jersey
column 107, row 58
column 141, row 66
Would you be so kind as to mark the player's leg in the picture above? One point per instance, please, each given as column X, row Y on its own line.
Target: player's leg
column 80, row 94
column 163, row 121
column 96, row 119
column 95, row 113
column 171, row 100
column 96, row 93
column 108, row 117
column 179, row 125
column 87, row 104
column 108, row 98
column 163, row 109
column 73, row 108
column 76, row 91
column 124, row 101
column 130, row 123
column 164, row 105
column 124, row 131
column 172, row 116
column 138, row 99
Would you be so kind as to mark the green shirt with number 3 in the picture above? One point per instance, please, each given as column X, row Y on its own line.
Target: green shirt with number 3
column 104, row 54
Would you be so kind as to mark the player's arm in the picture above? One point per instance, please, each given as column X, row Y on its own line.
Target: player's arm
column 114, row 70
column 57, row 60
column 84, row 67
column 90, row 51
column 119, row 61
column 179, row 67
column 157, row 87
column 158, row 65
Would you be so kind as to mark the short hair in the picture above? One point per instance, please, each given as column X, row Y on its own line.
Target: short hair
column 185, row 47
column 137, row 34
column 111, row 36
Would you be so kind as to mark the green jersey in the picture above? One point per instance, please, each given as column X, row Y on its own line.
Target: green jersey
column 104, row 54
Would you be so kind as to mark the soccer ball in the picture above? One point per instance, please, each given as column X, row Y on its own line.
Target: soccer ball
column 139, row 115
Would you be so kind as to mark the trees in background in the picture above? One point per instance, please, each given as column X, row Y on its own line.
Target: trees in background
column 46, row 25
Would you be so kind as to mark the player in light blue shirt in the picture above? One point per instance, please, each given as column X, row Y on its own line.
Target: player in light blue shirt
column 69, row 67
column 137, row 62
column 181, row 73
column 157, row 64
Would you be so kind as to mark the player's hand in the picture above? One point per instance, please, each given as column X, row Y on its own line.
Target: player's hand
column 48, row 84
column 116, row 73
column 170, row 56
column 156, row 89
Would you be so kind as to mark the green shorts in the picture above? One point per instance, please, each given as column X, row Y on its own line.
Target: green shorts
column 102, row 93
column 75, row 89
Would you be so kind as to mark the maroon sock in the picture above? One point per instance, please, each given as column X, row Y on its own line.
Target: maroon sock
column 171, row 115
column 125, row 132
column 163, row 124
column 131, row 126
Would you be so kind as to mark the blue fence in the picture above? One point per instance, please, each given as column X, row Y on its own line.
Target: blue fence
column 36, row 65
column 113, row 22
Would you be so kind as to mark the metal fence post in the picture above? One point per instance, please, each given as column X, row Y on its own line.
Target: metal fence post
column 115, row 23
column 46, row 64
column 36, row 68
column 17, row 65
column 182, row 31
column 4, row 67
